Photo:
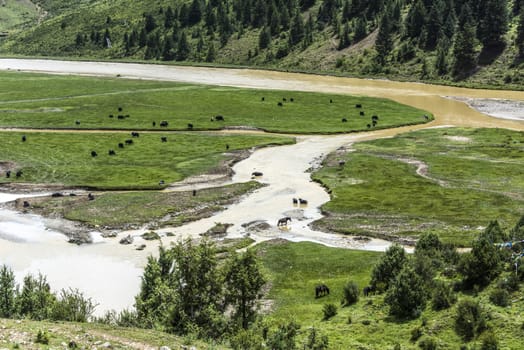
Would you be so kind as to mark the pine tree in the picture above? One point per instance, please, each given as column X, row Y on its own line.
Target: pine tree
column 264, row 38
column 384, row 42
column 296, row 32
column 168, row 52
column 434, row 25
column 183, row 48
column 464, row 55
column 520, row 34
column 441, row 65
column 243, row 285
column 8, row 292
column 360, row 29
column 407, row 295
column 493, row 22
column 415, row 20
column 211, row 52
column 344, row 38
column 195, row 12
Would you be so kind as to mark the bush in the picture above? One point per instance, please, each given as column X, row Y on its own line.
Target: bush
column 407, row 294
column 489, row 342
column 428, row 343
column 389, row 266
column 316, row 341
column 351, row 293
column 42, row 337
column 73, row 306
column 329, row 310
column 470, row 319
column 499, row 297
column 416, row 333
column 443, row 296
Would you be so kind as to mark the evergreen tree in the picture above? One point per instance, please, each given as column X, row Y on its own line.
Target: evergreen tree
column 434, row 26
column 150, row 23
column 274, row 20
column 8, row 292
column 168, row 52
column 415, row 20
column 441, row 65
column 264, row 38
column 520, row 34
column 169, row 18
column 482, row 264
column 195, row 12
column 243, row 286
column 360, row 29
column 493, row 22
column 308, row 32
column 296, row 32
column 183, row 48
column 388, row 267
column 155, row 297
column 344, row 38
column 464, row 55
column 407, row 294
column 36, row 300
column 384, row 42
column 259, row 16
column 211, row 52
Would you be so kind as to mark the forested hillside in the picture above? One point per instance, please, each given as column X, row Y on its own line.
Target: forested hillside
column 455, row 40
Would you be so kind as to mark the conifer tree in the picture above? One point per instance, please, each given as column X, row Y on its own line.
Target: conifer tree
column 384, row 43
column 296, row 32
column 360, row 29
column 464, row 55
column 520, row 34
column 344, row 38
column 492, row 22
column 264, row 38
column 8, row 292
column 183, row 48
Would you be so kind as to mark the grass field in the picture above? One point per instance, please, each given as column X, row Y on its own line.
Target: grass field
column 65, row 158
column 471, row 176
column 132, row 209
column 295, row 269
column 44, row 101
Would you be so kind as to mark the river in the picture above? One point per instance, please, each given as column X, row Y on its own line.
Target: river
column 28, row 246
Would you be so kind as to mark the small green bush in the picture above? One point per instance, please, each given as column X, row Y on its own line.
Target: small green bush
column 351, row 293
column 470, row 319
column 42, row 337
column 489, row 342
column 428, row 343
column 443, row 296
column 416, row 333
column 329, row 310
column 499, row 297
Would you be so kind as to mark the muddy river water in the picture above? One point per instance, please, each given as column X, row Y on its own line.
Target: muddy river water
column 110, row 273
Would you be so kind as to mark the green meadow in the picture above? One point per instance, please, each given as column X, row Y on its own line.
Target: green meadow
column 296, row 268
column 65, row 158
column 471, row 176
column 44, row 101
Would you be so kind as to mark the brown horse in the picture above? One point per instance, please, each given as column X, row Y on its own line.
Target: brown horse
column 283, row 221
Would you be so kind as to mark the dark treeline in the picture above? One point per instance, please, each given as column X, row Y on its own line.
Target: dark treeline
column 459, row 34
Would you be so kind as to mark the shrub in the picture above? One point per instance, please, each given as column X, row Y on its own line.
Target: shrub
column 499, row 297
column 329, row 310
column 416, row 333
column 316, row 341
column 42, row 337
column 489, row 342
column 428, row 343
column 389, row 266
column 351, row 293
column 73, row 306
column 470, row 320
column 407, row 295
column 443, row 296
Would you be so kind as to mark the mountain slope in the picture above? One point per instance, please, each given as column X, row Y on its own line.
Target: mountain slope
column 400, row 39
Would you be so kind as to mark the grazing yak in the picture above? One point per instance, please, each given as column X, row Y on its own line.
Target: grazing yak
column 163, row 138
column 302, row 201
column 135, row 134
column 321, row 290
column 129, row 142
column 93, row 154
column 256, row 173
column 111, row 152
column 164, row 123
